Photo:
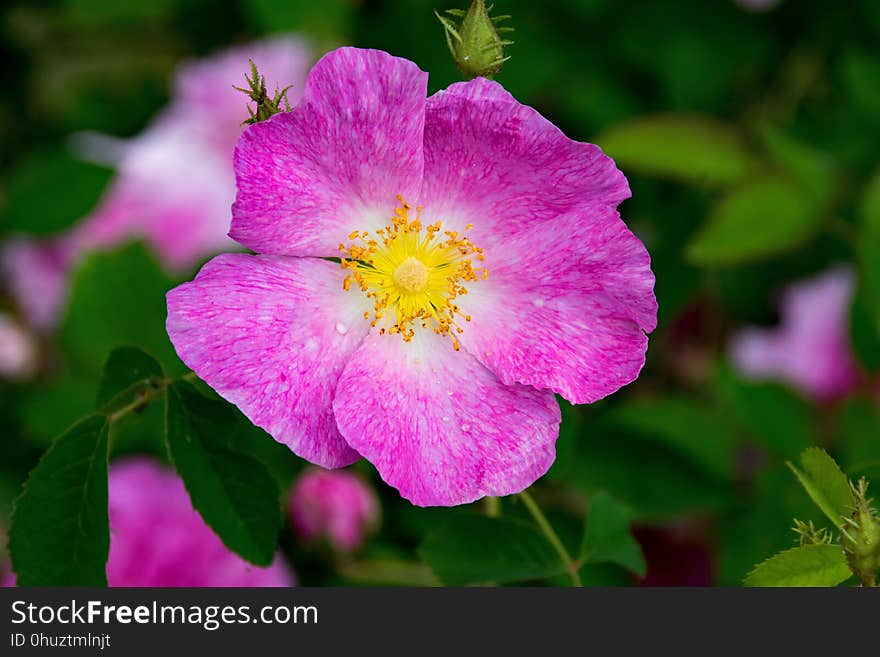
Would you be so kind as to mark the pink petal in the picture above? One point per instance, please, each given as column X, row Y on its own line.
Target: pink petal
column 501, row 166
column 309, row 177
column 440, row 427
column 271, row 335
column 158, row 539
column 565, row 307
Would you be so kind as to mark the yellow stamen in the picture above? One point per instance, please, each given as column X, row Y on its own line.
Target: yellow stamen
column 413, row 274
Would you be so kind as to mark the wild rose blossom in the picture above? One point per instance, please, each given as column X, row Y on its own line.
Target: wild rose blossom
column 158, row 539
column 484, row 267
column 174, row 182
column 810, row 348
column 335, row 505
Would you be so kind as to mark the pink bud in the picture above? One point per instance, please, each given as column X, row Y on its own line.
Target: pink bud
column 335, row 505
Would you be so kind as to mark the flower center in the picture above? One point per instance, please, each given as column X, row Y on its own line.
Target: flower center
column 413, row 273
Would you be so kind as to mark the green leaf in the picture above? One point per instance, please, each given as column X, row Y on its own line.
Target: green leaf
column 474, row 549
column 60, row 530
column 763, row 218
column 607, row 538
column 233, row 491
column 811, row 168
column 864, row 329
column 127, row 373
column 868, row 250
column 809, row 565
column 571, row 430
column 117, row 299
column 52, row 406
column 773, row 414
column 857, row 428
column 860, row 71
column 754, row 526
column 50, row 192
column 683, row 424
column 692, row 149
column 825, row 483
column 653, row 479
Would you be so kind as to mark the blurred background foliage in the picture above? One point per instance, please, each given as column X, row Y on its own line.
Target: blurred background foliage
column 751, row 144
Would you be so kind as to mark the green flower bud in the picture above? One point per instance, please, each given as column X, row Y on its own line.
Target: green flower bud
column 860, row 537
column 475, row 42
column 266, row 106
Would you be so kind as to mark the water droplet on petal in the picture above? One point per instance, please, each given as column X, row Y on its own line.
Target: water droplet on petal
column 341, row 328
column 465, row 427
column 445, row 419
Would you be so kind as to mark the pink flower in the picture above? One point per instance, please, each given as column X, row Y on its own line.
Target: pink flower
column 174, row 182
column 336, row 505
column 810, row 348
column 17, row 354
column 435, row 350
column 158, row 539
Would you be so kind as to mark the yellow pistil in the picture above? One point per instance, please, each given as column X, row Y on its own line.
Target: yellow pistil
column 413, row 273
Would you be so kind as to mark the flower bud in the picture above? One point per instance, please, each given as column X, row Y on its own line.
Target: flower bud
column 475, row 42
column 861, row 537
column 266, row 106
column 334, row 505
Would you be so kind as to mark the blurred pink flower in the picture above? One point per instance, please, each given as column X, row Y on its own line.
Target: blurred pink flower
column 17, row 352
column 158, row 539
column 434, row 348
column 174, row 185
column 810, row 349
column 35, row 274
column 334, row 505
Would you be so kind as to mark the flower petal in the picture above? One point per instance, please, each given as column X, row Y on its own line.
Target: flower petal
column 501, row 166
column 439, row 426
column 565, row 307
column 308, row 177
column 271, row 335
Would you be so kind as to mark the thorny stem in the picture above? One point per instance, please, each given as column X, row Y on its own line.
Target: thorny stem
column 148, row 394
column 551, row 535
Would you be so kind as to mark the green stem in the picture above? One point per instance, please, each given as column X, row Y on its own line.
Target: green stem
column 551, row 535
column 493, row 506
column 147, row 395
